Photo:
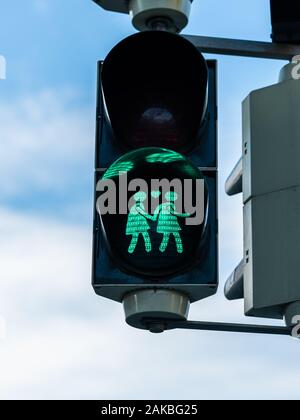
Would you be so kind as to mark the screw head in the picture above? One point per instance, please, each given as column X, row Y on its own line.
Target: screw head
column 157, row 328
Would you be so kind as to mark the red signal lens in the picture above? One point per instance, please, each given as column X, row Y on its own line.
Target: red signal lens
column 157, row 125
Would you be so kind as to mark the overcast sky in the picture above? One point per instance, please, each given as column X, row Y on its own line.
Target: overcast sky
column 62, row 341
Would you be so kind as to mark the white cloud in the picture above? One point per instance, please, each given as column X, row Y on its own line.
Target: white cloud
column 65, row 342
column 45, row 142
column 43, row 254
column 2, row 328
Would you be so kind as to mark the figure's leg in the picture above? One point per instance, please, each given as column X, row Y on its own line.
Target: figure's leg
column 147, row 240
column 134, row 241
column 178, row 241
column 165, row 242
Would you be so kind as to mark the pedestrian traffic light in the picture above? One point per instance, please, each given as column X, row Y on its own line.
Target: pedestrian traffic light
column 269, row 177
column 285, row 17
column 155, row 223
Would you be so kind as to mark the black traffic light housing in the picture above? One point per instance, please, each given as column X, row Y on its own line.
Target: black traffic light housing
column 156, row 90
column 285, row 15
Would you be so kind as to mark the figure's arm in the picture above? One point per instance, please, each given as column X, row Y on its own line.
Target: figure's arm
column 145, row 214
column 182, row 214
column 157, row 211
column 174, row 212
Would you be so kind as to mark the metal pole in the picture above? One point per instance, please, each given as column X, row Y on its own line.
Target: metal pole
column 237, row 47
column 234, row 183
column 215, row 326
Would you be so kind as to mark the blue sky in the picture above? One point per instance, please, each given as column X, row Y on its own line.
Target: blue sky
column 62, row 340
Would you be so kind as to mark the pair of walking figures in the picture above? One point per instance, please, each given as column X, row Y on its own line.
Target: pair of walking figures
column 167, row 222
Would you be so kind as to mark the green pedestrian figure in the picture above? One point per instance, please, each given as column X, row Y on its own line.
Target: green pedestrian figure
column 168, row 222
column 137, row 223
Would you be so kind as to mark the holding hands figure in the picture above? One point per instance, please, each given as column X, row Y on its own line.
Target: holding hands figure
column 137, row 223
column 168, row 222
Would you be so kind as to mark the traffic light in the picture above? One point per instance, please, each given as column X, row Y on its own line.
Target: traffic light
column 269, row 177
column 285, row 17
column 155, row 223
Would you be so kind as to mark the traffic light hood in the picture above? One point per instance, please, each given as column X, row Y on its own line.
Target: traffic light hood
column 155, row 91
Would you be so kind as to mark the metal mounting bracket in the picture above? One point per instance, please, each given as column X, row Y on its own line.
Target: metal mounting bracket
column 243, row 48
column 158, row 326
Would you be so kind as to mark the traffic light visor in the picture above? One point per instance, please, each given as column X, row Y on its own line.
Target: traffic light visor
column 155, row 91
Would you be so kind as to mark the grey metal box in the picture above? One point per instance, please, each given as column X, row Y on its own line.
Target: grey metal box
column 271, row 139
column 272, row 252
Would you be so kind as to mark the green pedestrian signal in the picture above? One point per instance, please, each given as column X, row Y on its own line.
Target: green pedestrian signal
column 165, row 215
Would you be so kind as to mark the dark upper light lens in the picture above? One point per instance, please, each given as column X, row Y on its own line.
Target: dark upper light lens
column 157, row 125
column 155, row 91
